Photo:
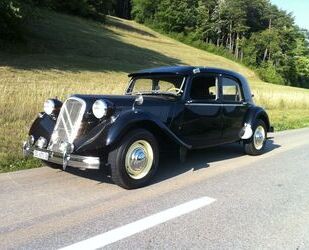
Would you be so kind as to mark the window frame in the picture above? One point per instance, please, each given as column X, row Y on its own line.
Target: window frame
column 238, row 82
column 192, row 100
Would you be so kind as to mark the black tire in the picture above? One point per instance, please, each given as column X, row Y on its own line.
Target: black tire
column 249, row 145
column 117, row 159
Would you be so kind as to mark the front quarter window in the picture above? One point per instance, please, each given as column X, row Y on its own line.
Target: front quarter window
column 171, row 85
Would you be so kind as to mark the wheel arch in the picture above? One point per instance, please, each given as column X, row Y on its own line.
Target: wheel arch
column 264, row 117
column 255, row 113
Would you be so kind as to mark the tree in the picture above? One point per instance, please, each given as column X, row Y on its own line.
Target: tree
column 176, row 15
column 204, row 12
column 144, row 10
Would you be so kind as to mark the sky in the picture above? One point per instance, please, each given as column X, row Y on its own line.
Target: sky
column 300, row 9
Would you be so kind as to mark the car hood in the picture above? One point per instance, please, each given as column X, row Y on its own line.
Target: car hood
column 159, row 106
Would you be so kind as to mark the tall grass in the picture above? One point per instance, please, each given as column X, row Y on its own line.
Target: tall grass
column 66, row 55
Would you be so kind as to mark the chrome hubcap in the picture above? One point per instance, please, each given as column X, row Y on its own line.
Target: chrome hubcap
column 139, row 159
column 259, row 137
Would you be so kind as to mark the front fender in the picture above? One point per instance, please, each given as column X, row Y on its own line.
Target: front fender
column 106, row 136
column 43, row 125
column 138, row 118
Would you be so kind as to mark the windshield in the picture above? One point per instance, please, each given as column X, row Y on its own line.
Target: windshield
column 171, row 85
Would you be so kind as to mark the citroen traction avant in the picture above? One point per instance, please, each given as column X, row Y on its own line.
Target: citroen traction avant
column 166, row 108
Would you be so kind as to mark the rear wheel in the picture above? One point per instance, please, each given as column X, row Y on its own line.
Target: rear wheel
column 134, row 162
column 256, row 144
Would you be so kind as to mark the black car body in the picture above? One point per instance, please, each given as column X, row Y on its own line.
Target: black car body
column 182, row 106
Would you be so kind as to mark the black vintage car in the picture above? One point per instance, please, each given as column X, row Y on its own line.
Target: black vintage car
column 171, row 107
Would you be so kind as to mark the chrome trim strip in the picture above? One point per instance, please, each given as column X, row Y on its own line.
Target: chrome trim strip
column 213, row 104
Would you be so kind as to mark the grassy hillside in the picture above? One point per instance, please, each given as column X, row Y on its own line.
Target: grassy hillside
column 66, row 55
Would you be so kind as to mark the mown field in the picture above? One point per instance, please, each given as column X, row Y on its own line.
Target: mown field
column 65, row 55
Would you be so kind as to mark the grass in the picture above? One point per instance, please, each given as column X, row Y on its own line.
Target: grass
column 65, row 55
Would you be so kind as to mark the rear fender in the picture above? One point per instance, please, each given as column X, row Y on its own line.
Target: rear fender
column 253, row 114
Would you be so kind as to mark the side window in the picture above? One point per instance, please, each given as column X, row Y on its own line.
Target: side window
column 204, row 88
column 231, row 90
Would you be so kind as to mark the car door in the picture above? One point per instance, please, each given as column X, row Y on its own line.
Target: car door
column 233, row 107
column 201, row 120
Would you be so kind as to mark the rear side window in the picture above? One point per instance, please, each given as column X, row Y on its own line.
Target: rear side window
column 204, row 88
column 231, row 90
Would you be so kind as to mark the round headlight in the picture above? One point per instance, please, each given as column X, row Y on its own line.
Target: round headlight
column 49, row 106
column 99, row 109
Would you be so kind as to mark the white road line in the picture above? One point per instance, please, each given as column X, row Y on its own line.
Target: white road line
column 125, row 231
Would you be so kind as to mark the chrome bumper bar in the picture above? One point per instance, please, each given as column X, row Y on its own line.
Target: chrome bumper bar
column 76, row 161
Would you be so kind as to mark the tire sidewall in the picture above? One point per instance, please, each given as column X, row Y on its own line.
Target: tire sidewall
column 127, row 141
column 256, row 125
column 249, row 146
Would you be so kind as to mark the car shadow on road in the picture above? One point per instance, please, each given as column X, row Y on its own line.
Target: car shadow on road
column 201, row 159
column 170, row 165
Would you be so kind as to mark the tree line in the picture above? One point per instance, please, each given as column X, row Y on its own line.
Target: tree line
column 255, row 33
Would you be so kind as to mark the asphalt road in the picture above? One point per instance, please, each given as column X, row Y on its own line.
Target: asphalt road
column 256, row 203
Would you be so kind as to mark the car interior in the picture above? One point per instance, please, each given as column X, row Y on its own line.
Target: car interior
column 204, row 88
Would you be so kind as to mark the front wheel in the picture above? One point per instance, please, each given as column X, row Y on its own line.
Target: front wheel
column 134, row 162
column 256, row 145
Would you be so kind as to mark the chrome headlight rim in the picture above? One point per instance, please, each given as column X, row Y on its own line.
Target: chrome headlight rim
column 41, row 142
column 99, row 108
column 49, row 106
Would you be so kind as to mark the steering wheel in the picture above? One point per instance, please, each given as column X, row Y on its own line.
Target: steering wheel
column 176, row 89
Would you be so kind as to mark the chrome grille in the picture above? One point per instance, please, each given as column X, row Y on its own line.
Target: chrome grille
column 68, row 123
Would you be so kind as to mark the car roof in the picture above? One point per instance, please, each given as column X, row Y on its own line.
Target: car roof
column 184, row 71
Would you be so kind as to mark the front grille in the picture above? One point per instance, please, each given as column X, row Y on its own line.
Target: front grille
column 68, row 123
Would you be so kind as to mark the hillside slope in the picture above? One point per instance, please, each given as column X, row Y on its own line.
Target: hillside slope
column 66, row 55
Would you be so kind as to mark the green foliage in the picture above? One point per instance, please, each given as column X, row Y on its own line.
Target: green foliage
column 268, row 73
column 176, row 15
column 13, row 163
column 302, row 70
column 144, row 10
column 255, row 33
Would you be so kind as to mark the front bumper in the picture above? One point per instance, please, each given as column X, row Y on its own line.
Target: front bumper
column 76, row 161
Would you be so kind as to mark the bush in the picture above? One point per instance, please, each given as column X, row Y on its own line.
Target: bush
column 12, row 15
column 268, row 73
